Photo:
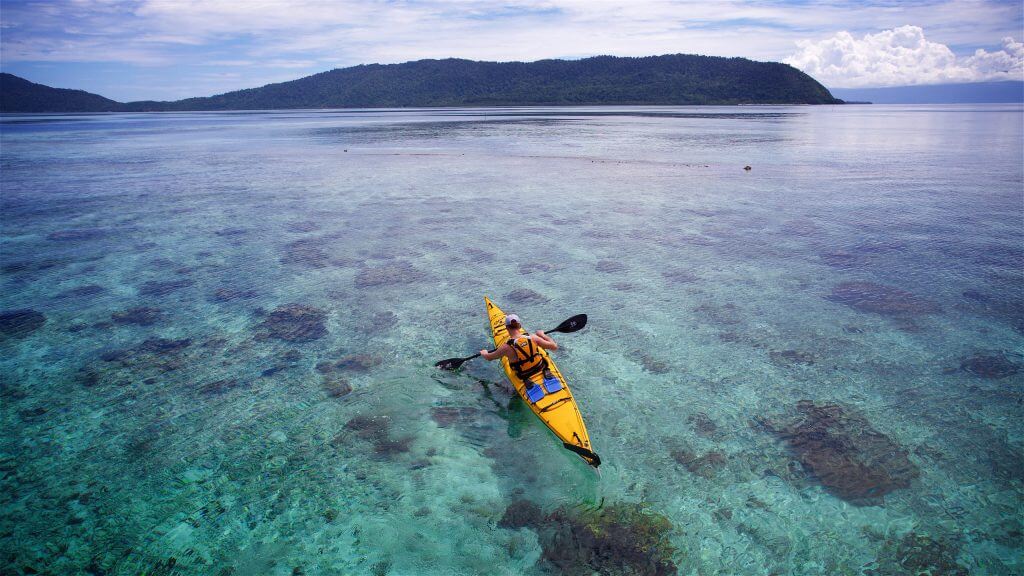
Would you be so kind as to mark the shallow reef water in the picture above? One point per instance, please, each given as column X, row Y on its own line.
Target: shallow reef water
column 218, row 331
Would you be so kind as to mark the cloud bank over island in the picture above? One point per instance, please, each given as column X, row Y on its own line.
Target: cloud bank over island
column 902, row 57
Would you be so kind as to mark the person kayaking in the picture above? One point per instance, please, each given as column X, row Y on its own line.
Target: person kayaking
column 521, row 349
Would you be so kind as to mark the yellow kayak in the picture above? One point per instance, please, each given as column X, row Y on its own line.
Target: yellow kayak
column 557, row 410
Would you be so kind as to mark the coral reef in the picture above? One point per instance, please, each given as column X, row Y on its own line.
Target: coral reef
column 296, row 323
column 650, row 363
column 336, row 387
column 351, row 362
column 20, row 323
column 531, row 267
column 993, row 366
column 919, row 554
column 139, row 316
column 791, row 357
column 610, row 266
column 164, row 345
column 375, row 429
column 845, row 453
column 154, row 288
column 704, row 465
column 703, row 424
column 447, row 416
column 306, row 252
column 526, row 296
column 680, row 276
column 879, row 299
column 479, row 256
column 229, row 294
column 620, row 539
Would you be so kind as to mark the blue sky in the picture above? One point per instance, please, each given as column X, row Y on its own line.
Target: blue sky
column 170, row 49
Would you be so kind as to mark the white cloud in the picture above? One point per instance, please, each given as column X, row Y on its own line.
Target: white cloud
column 901, row 57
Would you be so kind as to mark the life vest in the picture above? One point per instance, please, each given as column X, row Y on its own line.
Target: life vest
column 529, row 360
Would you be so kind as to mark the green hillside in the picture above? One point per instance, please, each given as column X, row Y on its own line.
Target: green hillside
column 671, row 79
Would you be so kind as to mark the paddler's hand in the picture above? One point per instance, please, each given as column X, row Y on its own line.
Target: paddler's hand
column 539, row 333
column 484, row 352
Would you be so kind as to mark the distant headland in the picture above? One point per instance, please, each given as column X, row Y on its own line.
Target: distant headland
column 674, row 79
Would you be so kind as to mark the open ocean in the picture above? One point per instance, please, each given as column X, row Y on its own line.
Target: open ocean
column 218, row 330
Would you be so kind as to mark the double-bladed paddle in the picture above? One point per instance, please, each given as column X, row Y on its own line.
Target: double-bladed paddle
column 573, row 324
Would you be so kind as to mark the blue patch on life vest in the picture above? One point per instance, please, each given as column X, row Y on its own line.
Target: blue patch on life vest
column 553, row 385
column 534, row 393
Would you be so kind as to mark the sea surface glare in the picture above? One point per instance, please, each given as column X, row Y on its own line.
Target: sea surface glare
column 218, row 331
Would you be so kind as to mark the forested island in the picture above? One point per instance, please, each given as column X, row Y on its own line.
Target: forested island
column 676, row 79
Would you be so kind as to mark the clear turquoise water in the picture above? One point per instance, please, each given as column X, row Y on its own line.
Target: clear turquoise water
column 718, row 299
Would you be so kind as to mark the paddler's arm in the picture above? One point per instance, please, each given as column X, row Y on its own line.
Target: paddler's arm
column 544, row 341
column 498, row 353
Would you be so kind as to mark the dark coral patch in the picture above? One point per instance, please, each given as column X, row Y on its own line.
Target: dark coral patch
column 229, row 294
column 680, row 276
column 336, row 387
column 703, row 424
column 140, row 316
column 20, row 323
column 803, row 228
column 392, row 446
column 650, row 363
column 448, row 416
column 704, row 465
column 155, row 288
column 845, row 453
column 918, row 553
column 727, row 314
column 220, row 387
column 531, row 267
column 879, row 299
column 368, row 427
column 616, row 539
column 522, row 514
column 480, row 256
column 28, row 266
column 306, row 252
column 992, row 366
column 164, row 345
column 389, row 275
column 296, row 323
column 526, row 296
column 791, row 357
column 610, row 266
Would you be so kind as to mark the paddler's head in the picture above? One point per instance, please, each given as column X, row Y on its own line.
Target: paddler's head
column 512, row 322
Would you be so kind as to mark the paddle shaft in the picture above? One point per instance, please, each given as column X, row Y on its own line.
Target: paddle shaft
column 495, row 350
column 570, row 325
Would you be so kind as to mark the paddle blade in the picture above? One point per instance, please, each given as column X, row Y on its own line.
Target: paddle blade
column 573, row 324
column 450, row 364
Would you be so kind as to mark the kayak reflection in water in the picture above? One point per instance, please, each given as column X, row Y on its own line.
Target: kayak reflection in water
column 523, row 352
